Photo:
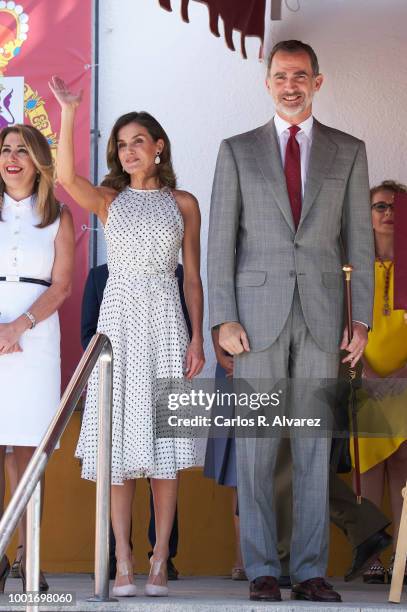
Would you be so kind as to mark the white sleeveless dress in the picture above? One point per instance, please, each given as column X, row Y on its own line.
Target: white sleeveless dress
column 30, row 381
column 141, row 314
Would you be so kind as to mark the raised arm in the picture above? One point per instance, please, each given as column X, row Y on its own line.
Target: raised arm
column 94, row 199
column 191, row 256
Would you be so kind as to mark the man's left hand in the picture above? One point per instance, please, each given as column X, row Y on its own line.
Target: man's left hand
column 357, row 346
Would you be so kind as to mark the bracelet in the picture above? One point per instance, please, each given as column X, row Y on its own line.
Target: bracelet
column 30, row 316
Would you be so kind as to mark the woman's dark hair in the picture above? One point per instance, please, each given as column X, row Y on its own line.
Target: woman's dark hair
column 388, row 185
column 118, row 179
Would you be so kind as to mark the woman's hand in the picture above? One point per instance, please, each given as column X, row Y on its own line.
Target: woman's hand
column 65, row 97
column 195, row 359
column 9, row 339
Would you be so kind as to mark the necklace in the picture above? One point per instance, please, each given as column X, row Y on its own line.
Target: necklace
column 386, row 298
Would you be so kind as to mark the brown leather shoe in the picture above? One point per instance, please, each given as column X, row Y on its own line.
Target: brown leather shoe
column 265, row 588
column 315, row 589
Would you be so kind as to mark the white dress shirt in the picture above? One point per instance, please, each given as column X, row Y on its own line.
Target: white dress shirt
column 304, row 139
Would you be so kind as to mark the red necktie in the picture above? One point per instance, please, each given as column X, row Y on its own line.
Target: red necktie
column 292, row 169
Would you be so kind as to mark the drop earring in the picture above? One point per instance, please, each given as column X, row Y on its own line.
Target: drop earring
column 157, row 159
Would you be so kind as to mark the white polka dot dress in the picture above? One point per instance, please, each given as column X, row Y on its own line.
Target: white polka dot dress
column 141, row 314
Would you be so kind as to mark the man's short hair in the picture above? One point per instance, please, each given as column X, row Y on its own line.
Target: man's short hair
column 295, row 46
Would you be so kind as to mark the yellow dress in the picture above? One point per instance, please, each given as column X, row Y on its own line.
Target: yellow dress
column 385, row 352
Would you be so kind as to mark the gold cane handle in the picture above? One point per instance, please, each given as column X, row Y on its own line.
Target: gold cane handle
column 348, row 269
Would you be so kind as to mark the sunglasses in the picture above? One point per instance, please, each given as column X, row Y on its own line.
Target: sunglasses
column 381, row 207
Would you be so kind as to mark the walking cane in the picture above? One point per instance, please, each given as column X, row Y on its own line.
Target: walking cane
column 352, row 375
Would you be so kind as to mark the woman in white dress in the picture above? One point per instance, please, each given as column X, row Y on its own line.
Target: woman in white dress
column 36, row 265
column 146, row 222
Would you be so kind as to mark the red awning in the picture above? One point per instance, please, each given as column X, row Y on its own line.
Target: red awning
column 400, row 251
column 245, row 16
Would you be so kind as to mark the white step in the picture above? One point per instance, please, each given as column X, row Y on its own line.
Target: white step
column 204, row 594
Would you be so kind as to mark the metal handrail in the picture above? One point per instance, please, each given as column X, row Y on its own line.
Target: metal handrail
column 99, row 349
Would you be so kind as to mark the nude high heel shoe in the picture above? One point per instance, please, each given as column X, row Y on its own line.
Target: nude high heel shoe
column 125, row 568
column 157, row 579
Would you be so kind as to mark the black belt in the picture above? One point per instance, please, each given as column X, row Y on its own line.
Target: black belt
column 24, row 279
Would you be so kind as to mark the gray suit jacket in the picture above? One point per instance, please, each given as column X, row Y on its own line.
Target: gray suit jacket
column 255, row 256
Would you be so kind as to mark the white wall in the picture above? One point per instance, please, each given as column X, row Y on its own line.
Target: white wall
column 362, row 50
column 201, row 92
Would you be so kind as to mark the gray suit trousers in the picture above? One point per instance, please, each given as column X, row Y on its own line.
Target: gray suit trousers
column 358, row 522
column 295, row 357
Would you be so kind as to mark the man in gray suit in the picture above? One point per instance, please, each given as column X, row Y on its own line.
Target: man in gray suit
column 290, row 201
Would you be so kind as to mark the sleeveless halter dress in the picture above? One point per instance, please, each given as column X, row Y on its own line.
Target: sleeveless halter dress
column 30, row 381
column 141, row 314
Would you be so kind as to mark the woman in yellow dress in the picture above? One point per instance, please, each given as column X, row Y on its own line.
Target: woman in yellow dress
column 385, row 357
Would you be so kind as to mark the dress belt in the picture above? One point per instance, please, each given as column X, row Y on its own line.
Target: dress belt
column 24, row 279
